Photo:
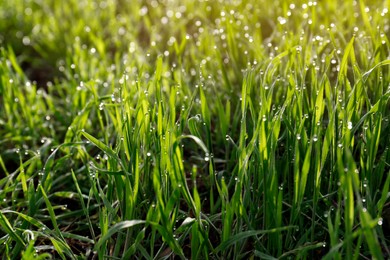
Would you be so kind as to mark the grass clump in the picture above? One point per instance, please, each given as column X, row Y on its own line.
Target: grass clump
column 194, row 129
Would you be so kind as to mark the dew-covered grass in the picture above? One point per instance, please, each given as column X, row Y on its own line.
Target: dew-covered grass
column 194, row 129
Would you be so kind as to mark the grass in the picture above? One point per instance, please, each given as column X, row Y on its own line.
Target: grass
column 194, row 129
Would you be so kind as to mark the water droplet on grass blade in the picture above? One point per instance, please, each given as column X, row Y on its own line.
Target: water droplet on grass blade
column 365, row 183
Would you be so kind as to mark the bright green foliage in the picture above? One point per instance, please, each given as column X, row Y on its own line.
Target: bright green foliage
column 194, row 129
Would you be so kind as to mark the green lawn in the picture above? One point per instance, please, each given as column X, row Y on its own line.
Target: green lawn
column 174, row 129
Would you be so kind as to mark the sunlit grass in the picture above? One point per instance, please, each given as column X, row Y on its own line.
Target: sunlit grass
column 194, row 129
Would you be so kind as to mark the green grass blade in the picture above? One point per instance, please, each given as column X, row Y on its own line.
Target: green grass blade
column 117, row 228
column 243, row 235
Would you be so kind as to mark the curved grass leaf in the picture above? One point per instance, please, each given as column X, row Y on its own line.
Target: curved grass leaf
column 243, row 235
column 4, row 223
column 117, row 228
